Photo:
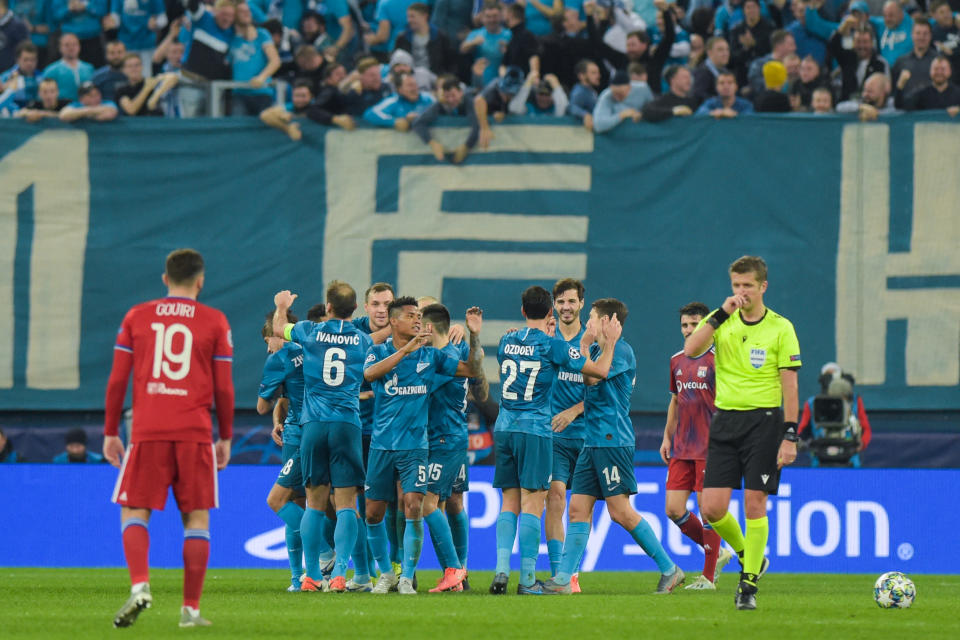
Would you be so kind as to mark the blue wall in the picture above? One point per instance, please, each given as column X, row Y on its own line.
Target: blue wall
column 857, row 222
column 824, row 521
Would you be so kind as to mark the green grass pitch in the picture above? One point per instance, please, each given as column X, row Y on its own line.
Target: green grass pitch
column 80, row 603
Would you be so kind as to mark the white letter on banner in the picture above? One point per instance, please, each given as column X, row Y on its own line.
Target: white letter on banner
column 491, row 505
column 881, row 528
column 783, row 521
column 832, row 539
column 61, row 212
column 270, row 545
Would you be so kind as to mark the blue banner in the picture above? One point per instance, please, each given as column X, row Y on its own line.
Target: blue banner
column 857, row 223
column 823, row 521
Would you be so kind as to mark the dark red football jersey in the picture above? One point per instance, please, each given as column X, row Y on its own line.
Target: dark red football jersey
column 693, row 380
column 181, row 353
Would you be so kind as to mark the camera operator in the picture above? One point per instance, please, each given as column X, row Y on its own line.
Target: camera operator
column 838, row 426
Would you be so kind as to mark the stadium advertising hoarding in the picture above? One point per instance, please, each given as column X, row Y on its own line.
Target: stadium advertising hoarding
column 824, row 521
column 857, row 222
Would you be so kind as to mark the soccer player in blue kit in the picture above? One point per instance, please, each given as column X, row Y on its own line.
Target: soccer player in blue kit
column 448, row 444
column 566, row 405
column 523, row 438
column 403, row 371
column 605, row 466
column 283, row 370
column 331, row 450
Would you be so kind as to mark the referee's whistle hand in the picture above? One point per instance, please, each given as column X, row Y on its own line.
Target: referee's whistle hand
column 787, row 454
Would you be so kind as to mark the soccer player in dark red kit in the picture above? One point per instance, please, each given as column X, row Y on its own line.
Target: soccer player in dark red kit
column 181, row 353
column 692, row 390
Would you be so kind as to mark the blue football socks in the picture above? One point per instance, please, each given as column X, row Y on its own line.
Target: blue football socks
column 506, row 534
column 573, row 547
column 529, row 526
column 412, row 545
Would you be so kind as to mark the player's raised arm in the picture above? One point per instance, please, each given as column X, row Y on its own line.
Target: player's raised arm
column 700, row 340
column 283, row 300
column 610, row 329
column 377, row 369
column 473, row 367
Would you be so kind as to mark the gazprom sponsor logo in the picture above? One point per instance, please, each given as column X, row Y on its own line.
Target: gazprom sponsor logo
column 392, row 388
column 570, row 376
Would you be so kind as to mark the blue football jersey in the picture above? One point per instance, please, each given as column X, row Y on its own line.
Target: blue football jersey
column 333, row 353
column 529, row 360
column 447, row 428
column 366, row 406
column 402, row 397
column 567, row 391
column 607, row 403
column 285, row 367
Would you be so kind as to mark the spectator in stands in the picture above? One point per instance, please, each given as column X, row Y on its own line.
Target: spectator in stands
column 309, row 66
column 946, row 30
column 911, row 71
column 453, row 18
column 137, row 23
column 389, row 20
column 858, row 64
column 676, row 102
column 211, row 32
column 169, row 56
column 77, row 452
column 313, row 31
column 430, row 48
column 89, row 105
column 731, row 14
column 141, row 96
column 487, row 44
column 494, row 100
column 705, row 76
column 561, row 51
column 726, row 104
column 47, row 105
column 698, row 51
column 808, row 44
column 749, row 40
column 8, row 454
column 402, row 62
column 772, row 99
column 620, row 101
column 69, row 71
column 822, row 101
column 895, row 32
column 653, row 58
column 339, row 27
column 523, row 50
column 82, row 19
column 857, row 18
column 801, row 91
column 583, row 98
column 679, row 52
column 781, row 46
column 940, row 93
column 549, row 98
column 301, row 106
column 400, row 109
column 13, row 31
column 330, row 103
column 875, row 100
column 35, row 16
column 254, row 59
column 452, row 101
column 110, row 76
column 287, row 41
column 365, row 87
column 18, row 85
column 540, row 15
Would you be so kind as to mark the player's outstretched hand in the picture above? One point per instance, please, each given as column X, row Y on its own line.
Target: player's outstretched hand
column 422, row 338
column 113, row 450
column 733, row 303
column 284, row 299
column 223, row 454
column 277, row 434
column 665, row 450
column 474, row 319
column 787, row 454
column 457, row 333
column 589, row 337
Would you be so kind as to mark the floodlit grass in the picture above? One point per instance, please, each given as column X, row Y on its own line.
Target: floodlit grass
column 80, row 603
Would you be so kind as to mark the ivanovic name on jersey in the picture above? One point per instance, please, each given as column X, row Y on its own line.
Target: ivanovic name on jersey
column 338, row 338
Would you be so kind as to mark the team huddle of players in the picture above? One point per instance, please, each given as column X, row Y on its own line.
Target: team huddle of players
column 378, row 403
column 374, row 434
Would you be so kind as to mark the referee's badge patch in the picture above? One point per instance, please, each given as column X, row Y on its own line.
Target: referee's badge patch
column 758, row 357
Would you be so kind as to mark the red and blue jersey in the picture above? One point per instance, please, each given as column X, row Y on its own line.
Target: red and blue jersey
column 693, row 380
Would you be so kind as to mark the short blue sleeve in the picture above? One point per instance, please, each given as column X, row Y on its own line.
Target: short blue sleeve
column 274, row 374
column 446, row 364
column 374, row 355
column 300, row 331
column 563, row 355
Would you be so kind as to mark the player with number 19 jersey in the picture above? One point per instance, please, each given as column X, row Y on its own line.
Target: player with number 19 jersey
column 181, row 353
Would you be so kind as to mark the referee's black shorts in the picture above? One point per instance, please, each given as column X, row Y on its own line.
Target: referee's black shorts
column 743, row 450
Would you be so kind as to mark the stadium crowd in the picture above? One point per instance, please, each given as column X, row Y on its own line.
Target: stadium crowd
column 402, row 64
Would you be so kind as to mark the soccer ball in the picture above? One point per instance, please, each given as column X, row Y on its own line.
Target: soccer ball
column 894, row 590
